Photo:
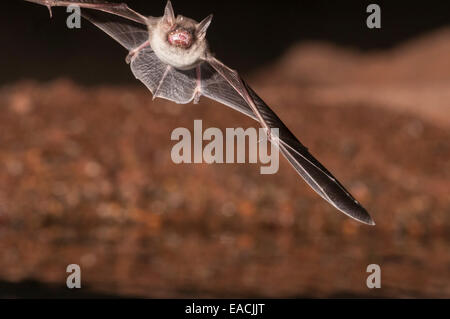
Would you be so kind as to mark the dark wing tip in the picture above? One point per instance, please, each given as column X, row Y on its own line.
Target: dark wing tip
column 371, row 222
column 367, row 220
column 359, row 213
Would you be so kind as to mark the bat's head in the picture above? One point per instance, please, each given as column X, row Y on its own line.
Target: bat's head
column 180, row 41
column 181, row 31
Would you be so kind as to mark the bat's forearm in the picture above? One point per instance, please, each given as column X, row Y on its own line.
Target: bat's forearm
column 120, row 9
column 235, row 80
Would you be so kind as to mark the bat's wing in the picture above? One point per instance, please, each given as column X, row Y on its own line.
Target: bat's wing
column 216, row 81
column 124, row 25
column 119, row 9
column 129, row 34
column 231, row 89
column 216, row 87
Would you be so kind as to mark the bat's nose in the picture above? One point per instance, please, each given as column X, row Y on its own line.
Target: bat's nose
column 180, row 38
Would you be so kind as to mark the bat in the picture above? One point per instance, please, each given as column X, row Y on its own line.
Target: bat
column 171, row 56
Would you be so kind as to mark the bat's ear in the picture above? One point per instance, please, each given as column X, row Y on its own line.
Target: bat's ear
column 203, row 26
column 169, row 16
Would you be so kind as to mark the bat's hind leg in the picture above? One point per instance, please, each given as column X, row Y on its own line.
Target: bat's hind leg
column 198, row 87
column 135, row 51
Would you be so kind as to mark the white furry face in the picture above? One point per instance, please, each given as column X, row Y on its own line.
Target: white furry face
column 177, row 43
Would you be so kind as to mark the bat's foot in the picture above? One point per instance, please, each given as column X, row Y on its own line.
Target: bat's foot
column 129, row 57
column 135, row 51
column 197, row 95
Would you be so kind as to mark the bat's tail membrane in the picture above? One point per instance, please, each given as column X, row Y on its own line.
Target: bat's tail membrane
column 163, row 80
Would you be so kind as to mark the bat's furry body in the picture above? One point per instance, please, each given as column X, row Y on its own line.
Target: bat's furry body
column 182, row 73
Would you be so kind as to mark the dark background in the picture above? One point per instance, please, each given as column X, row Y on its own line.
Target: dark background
column 242, row 34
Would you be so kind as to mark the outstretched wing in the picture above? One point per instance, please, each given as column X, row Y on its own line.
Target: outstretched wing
column 216, row 87
column 235, row 90
column 119, row 9
column 216, row 81
column 129, row 34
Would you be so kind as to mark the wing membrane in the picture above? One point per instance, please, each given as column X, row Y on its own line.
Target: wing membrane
column 163, row 80
column 306, row 165
column 216, row 87
column 120, row 9
column 129, row 34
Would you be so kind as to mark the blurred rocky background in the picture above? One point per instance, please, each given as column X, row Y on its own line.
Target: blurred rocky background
column 86, row 175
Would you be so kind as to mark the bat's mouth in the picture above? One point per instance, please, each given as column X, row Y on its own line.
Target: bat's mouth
column 181, row 38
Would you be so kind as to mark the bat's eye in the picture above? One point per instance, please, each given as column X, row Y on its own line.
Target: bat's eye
column 180, row 38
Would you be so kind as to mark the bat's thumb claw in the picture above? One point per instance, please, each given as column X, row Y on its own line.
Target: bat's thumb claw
column 49, row 7
column 47, row 3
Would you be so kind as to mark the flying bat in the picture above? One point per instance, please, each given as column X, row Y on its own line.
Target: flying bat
column 171, row 56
